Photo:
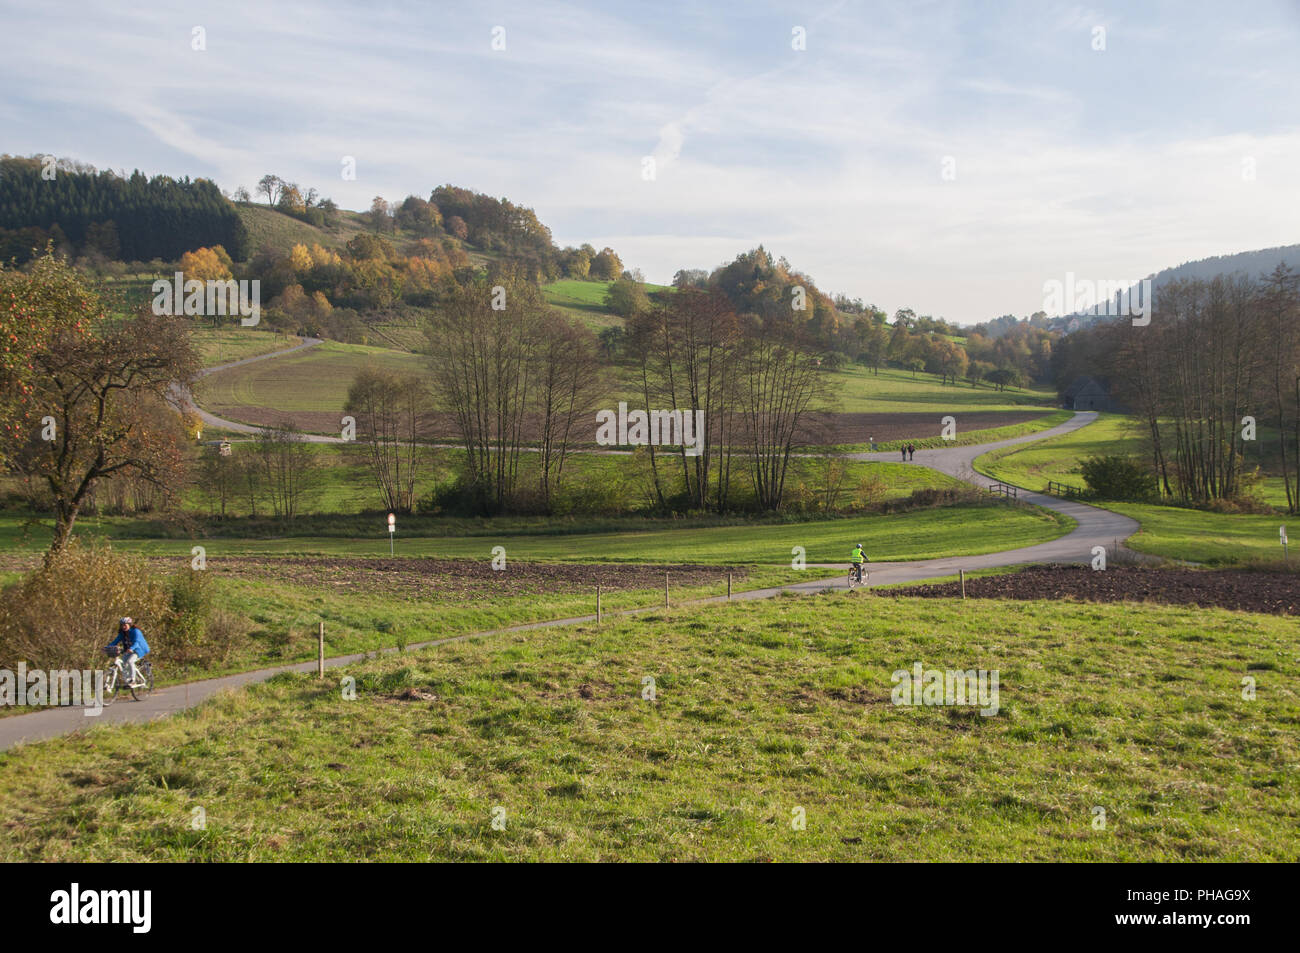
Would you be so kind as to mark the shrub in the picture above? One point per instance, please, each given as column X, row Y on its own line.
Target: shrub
column 60, row 615
column 1119, row 478
column 226, row 632
column 870, row 489
column 191, row 608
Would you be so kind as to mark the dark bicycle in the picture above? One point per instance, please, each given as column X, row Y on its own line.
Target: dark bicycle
column 858, row 575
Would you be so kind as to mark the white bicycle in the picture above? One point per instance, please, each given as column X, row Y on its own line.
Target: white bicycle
column 117, row 676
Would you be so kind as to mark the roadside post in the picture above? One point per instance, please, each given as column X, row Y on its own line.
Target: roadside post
column 320, row 651
column 962, row 574
column 597, row 603
column 392, row 527
column 728, row 587
column 665, row 590
column 1286, row 553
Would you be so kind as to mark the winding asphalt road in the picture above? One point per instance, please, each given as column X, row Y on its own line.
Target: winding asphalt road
column 1096, row 527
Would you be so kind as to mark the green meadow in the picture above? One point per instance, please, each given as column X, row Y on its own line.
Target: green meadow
column 744, row 732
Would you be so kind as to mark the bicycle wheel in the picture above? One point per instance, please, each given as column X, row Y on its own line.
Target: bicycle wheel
column 140, row 690
column 111, row 685
column 853, row 580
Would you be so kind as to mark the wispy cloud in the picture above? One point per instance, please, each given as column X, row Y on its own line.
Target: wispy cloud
column 1112, row 162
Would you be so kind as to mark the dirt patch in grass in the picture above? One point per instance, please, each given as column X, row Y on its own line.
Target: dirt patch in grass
column 424, row 576
column 1275, row 593
column 408, row 576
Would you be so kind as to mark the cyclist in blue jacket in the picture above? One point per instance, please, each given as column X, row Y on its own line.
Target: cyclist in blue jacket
column 133, row 643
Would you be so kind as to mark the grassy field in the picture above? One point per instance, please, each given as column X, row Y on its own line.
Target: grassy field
column 585, row 300
column 761, row 714
column 315, row 379
column 858, row 390
column 1217, row 539
column 266, row 226
column 277, row 604
column 348, row 488
column 917, row 534
column 223, row 345
column 1059, row 458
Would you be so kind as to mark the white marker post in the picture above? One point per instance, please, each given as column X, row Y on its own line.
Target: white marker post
column 1286, row 553
column 392, row 528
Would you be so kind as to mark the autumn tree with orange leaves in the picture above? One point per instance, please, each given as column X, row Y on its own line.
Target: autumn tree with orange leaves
column 91, row 395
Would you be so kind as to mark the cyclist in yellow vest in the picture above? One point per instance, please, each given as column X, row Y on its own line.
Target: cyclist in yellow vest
column 858, row 557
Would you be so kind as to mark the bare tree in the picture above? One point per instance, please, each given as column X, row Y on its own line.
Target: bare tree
column 1279, row 304
column 270, row 186
column 570, row 382
column 482, row 359
column 780, row 378
column 685, row 352
column 392, row 412
column 289, row 468
column 219, row 478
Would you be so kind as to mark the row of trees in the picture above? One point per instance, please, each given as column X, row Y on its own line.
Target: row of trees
column 921, row 343
column 279, row 472
column 518, row 384
column 1218, row 355
column 288, row 197
column 755, row 377
column 130, row 218
column 496, row 225
column 509, row 370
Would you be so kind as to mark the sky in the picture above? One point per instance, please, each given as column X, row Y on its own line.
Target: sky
column 947, row 157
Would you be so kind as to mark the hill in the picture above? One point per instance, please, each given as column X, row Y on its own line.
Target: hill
column 1251, row 263
column 269, row 226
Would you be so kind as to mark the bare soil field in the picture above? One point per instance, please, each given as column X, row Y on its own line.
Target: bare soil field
column 426, row 576
column 1275, row 593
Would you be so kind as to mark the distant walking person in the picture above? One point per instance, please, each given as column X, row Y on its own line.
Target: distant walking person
column 904, row 452
column 872, row 441
column 911, row 451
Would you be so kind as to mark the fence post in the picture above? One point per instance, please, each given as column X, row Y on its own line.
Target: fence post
column 597, row 603
column 728, row 587
column 320, row 651
column 962, row 574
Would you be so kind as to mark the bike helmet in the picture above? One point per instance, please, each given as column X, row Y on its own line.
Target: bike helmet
column 126, row 620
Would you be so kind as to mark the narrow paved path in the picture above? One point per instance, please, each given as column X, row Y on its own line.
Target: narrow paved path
column 1096, row 527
